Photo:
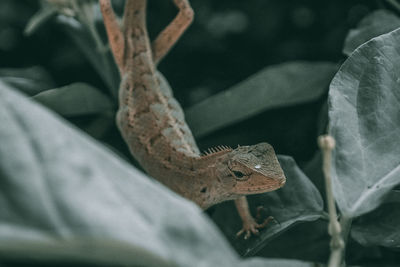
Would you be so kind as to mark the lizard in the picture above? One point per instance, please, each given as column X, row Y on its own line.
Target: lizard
column 152, row 123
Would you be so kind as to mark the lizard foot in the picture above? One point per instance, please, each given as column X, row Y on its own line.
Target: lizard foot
column 250, row 226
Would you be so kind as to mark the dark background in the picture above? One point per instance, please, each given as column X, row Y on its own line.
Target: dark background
column 228, row 41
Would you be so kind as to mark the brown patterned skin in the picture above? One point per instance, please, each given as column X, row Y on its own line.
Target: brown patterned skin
column 152, row 122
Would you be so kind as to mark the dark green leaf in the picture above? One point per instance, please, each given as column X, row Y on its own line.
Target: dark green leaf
column 377, row 23
column 43, row 15
column 31, row 80
column 100, row 125
column 277, row 86
column 313, row 170
column 63, row 197
column 75, row 99
column 365, row 121
column 99, row 57
column 298, row 201
column 379, row 227
column 393, row 196
column 257, row 262
column 306, row 241
column 310, row 242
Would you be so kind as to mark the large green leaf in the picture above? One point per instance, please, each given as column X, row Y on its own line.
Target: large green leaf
column 277, row 86
column 75, row 99
column 298, row 201
column 276, row 262
column 364, row 117
column 306, row 241
column 380, row 227
column 65, row 198
column 377, row 23
column 31, row 81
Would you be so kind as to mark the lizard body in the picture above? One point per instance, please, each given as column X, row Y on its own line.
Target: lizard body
column 152, row 122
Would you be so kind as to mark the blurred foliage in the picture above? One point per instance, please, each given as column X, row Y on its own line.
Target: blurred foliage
column 247, row 72
column 64, row 198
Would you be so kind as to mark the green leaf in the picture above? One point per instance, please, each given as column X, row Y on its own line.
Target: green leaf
column 64, row 197
column 393, row 196
column 75, row 99
column 31, row 80
column 273, row 87
column 99, row 57
column 298, row 201
column 45, row 13
column 377, row 23
column 364, row 117
column 100, row 125
column 277, row 262
column 313, row 170
column 379, row 228
column 306, row 241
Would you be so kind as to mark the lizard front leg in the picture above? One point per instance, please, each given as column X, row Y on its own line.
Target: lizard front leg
column 250, row 226
column 170, row 35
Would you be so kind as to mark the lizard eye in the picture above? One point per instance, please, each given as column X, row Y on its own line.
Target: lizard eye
column 238, row 174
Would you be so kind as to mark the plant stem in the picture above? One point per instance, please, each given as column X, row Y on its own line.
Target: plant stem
column 327, row 144
column 85, row 15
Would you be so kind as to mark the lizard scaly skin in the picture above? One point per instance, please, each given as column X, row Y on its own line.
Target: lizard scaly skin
column 152, row 122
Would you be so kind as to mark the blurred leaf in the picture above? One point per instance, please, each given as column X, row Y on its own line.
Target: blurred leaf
column 276, row 262
column 310, row 242
column 45, row 13
column 273, row 87
column 31, row 80
column 365, row 121
column 99, row 57
column 298, row 201
column 75, row 99
column 82, row 38
column 393, row 196
column 78, row 19
column 323, row 120
column 377, row 23
column 379, row 227
column 100, row 125
column 313, row 170
column 306, row 241
column 63, row 197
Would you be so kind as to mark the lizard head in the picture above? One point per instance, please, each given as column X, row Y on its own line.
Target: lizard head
column 245, row 170
column 255, row 168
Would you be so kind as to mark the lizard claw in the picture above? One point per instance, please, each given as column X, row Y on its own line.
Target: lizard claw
column 259, row 210
column 250, row 226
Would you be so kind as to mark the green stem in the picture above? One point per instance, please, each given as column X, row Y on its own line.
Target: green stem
column 327, row 143
column 85, row 16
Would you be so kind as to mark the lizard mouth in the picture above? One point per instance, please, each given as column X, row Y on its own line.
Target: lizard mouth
column 260, row 185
